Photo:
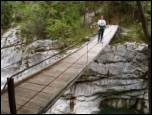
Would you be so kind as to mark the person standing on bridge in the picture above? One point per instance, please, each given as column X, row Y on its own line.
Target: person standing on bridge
column 102, row 25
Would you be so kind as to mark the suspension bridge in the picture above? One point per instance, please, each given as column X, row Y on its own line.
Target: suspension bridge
column 38, row 92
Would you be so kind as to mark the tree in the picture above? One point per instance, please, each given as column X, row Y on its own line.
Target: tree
column 6, row 14
column 143, row 20
column 148, row 36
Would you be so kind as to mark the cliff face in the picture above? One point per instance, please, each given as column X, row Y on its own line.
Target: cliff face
column 117, row 78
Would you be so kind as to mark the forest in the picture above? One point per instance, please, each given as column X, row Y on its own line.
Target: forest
column 66, row 21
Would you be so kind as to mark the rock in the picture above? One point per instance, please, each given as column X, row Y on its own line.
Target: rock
column 139, row 106
column 60, row 107
column 40, row 44
column 91, row 106
column 116, row 78
column 115, row 69
column 146, row 108
column 89, row 17
column 146, row 96
column 119, row 104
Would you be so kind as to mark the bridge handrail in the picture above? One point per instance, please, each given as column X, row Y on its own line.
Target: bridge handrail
column 14, row 75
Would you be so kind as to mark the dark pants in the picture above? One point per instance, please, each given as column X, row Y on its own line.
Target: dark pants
column 100, row 35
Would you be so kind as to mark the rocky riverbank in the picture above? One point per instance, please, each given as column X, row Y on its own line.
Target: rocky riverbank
column 117, row 78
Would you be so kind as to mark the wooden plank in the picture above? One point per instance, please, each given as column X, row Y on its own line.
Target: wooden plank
column 53, row 90
column 41, row 79
column 46, row 68
column 62, row 64
column 66, row 77
column 32, row 106
column 91, row 55
column 96, row 49
column 44, row 74
column 5, row 107
column 86, row 55
column 4, row 113
column 31, row 86
column 78, row 66
column 36, row 104
column 4, row 96
column 24, row 92
column 79, row 53
column 59, row 68
column 20, row 100
column 71, row 59
column 22, row 96
column 70, row 73
column 40, row 100
column 54, row 73
column 82, row 60
column 26, row 110
column 48, row 74
column 58, row 84
column 74, row 57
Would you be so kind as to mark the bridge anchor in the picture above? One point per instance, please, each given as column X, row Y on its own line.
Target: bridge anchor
column 11, row 95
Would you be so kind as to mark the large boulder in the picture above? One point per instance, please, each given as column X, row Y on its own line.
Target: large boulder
column 117, row 78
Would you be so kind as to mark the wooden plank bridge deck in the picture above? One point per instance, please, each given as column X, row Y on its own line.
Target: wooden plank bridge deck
column 39, row 92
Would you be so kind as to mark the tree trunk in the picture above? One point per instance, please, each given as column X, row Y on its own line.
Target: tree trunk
column 143, row 20
column 148, row 36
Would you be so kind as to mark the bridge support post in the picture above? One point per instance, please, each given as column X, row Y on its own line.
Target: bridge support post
column 11, row 95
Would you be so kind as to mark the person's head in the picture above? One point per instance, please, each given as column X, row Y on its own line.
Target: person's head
column 101, row 17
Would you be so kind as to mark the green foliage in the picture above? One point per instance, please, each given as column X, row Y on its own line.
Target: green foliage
column 6, row 14
column 60, row 20
column 148, row 14
column 57, row 29
column 54, row 20
column 34, row 22
column 124, row 10
column 133, row 33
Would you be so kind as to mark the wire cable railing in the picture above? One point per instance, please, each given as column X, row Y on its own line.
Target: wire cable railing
column 65, row 49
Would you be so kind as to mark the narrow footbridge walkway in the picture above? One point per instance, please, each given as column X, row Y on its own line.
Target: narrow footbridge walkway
column 40, row 91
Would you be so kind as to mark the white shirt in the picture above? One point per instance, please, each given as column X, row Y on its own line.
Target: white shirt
column 101, row 22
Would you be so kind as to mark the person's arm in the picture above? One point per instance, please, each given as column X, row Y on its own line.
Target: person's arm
column 98, row 23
